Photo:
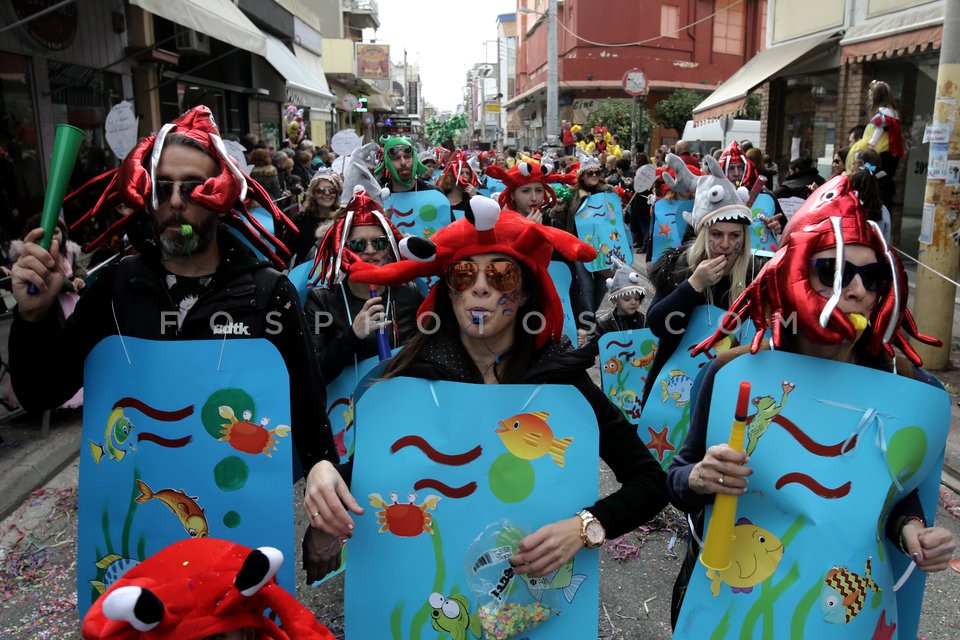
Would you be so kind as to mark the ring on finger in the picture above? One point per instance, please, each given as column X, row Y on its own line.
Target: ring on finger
column 316, row 514
column 720, row 480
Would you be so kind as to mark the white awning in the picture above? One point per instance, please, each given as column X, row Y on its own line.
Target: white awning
column 303, row 88
column 895, row 36
column 731, row 97
column 219, row 19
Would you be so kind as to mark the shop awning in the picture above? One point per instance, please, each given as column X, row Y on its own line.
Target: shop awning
column 219, row 19
column 731, row 97
column 303, row 87
column 892, row 37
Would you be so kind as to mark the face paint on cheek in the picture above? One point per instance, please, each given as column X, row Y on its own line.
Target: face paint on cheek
column 712, row 246
column 738, row 246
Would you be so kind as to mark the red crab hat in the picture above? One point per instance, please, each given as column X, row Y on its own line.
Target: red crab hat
column 524, row 173
column 224, row 193
column 334, row 259
column 488, row 230
column 734, row 155
column 454, row 165
column 197, row 588
column 831, row 218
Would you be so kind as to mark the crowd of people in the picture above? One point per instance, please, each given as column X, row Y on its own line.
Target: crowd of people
column 196, row 222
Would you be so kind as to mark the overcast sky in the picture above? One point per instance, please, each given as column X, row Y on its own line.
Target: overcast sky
column 445, row 38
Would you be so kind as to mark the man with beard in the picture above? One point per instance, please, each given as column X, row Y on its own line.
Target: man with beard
column 192, row 280
column 401, row 169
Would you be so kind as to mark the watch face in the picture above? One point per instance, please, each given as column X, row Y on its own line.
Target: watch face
column 595, row 532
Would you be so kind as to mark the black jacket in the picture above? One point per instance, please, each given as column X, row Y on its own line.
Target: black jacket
column 46, row 359
column 333, row 338
column 642, row 493
column 798, row 184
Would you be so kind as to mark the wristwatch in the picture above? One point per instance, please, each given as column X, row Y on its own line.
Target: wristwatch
column 591, row 531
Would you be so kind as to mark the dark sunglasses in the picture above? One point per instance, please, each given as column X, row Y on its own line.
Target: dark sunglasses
column 875, row 276
column 400, row 150
column 503, row 276
column 164, row 189
column 326, row 191
column 591, row 173
column 359, row 245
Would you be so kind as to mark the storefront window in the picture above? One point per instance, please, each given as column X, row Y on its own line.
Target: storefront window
column 21, row 177
column 809, row 108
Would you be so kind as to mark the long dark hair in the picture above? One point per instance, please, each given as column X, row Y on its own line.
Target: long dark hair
column 512, row 364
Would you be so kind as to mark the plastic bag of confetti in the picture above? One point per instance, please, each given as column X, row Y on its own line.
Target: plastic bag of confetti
column 507, row 603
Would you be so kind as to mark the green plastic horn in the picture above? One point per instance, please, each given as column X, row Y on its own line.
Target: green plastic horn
column 66, row 146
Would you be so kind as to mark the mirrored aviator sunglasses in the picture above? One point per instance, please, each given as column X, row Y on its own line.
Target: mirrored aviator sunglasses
column 359, row 245
column 503, row 276
column 400, row 150
column 874, row 276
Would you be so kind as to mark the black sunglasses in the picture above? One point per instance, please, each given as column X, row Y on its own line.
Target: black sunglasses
column 359, row 245
column 400, row 150
column 164, row 189
column 591, row 173
column 875, row 276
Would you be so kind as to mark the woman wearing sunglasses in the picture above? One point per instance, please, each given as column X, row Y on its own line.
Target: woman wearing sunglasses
column 833, row 292
column 320, row 207
column 344, row 315
column 494, row 317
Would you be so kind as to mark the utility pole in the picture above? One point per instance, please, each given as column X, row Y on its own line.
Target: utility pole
column 938, row 251
column 553, row 76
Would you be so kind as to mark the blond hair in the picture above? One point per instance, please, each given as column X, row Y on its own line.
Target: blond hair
column 697, row 253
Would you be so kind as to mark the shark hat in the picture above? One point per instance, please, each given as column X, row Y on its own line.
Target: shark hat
column 625, row 282
column 716, row 199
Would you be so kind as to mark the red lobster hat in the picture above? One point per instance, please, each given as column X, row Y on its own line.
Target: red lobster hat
column 831, row 218
column 201, row 587
column 224, row 193
column 524, row 173
column 489, row 230
column 334, row 259
column 734, row 155
column 451, row 171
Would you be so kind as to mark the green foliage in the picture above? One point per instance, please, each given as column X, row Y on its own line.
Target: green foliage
column 615, row 115
column 754, row 108
column 440, row 132
column 673, row 112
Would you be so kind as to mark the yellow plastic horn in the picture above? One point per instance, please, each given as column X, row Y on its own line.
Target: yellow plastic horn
column 718, row 542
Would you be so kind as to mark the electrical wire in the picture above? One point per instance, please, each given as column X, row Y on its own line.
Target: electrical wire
column 648, row 40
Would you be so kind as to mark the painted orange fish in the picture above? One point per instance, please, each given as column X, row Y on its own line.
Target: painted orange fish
column 844, row 592
column 612, row 365
column 183, row 506
column 528, row 436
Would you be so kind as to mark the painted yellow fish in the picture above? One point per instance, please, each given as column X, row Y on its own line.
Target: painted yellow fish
column 183, row 506
column 453, row 616
column 116, row 435
column 755, row 555
column 843, row 593
column 528, row 436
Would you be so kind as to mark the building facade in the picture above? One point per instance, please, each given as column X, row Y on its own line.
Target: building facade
column 678, row 44
column 814, row 74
